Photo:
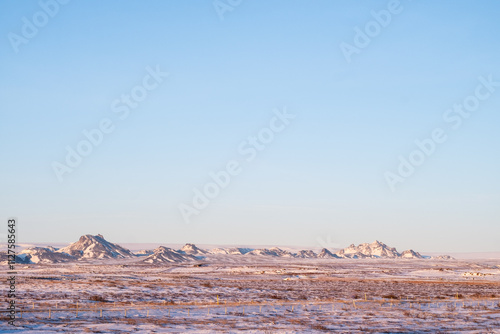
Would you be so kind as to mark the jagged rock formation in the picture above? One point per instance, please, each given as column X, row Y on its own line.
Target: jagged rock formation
column 95, row 247
column 411, row 254
column 191, row 249
column 306, row 254
column 167, row 255
column 376, row 249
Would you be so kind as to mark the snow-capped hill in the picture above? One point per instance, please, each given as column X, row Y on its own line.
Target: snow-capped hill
column 274, row 251
column 306, row 254
column 376, row 249
column 351, row 252
column 326, row 254
column 281, row 252
column 167, row 255
column 44, row 255
column 191, row 249
column 95, row 247
column 220, row 251
column 411, row 254
column 230, row 251
column 243, row 250
column 261, row 252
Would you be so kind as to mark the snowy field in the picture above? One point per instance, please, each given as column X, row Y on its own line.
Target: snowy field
column 259, row 295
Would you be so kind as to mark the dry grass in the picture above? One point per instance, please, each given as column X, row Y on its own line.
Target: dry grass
column 333, row 283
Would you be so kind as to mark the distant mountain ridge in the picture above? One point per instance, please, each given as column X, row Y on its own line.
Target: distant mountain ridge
column 230, row 251
column 376, row 249
column 191, row 249
column 373, row 250
column 95, row 247
column 326, row 254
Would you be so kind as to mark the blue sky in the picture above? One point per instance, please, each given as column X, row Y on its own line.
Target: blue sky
column 321, row 178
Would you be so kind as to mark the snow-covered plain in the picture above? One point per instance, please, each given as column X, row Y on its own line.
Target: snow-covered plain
column 227, row 293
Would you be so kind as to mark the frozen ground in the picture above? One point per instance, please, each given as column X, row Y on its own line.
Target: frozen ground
column 256, row 294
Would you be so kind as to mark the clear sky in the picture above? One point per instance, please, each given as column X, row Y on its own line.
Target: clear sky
column 361, row 92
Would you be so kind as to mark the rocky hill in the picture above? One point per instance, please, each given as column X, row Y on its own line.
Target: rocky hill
column 44, row 255
column 376, row 249
column 167, row 255
column 191, row 249
column 326, row 254
column 274, row 251
column 230, row 251
column 95, row 247
column 306, row 254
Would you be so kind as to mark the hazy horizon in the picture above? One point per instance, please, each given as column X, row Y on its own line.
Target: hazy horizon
column 136, row 246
